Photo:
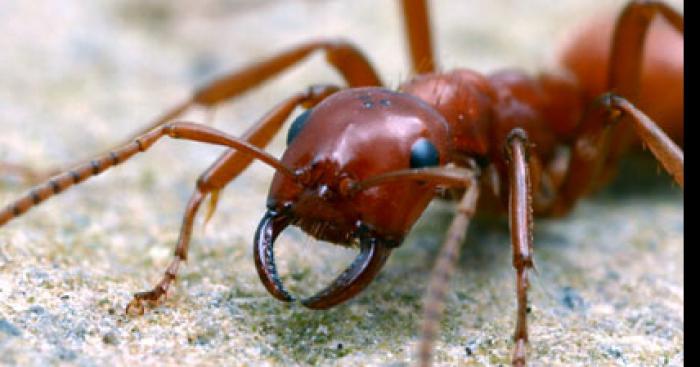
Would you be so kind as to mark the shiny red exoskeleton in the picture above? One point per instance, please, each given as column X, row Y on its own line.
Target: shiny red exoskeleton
column 363, row 162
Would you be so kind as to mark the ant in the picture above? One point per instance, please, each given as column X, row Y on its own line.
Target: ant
column 495, row 137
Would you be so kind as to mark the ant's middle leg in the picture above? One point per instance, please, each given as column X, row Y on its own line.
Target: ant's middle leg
column 344, row 57
column 229, row 165
column 417, row 29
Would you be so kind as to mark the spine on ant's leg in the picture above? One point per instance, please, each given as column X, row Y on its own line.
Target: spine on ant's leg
column 76, row 175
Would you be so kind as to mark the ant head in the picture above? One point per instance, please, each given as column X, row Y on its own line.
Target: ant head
column 349, row 138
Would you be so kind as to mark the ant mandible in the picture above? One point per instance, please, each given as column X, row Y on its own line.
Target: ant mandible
column 495, row 136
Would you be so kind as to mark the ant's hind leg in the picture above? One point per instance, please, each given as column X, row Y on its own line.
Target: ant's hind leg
column 591, row 149
column 229, row 165
column 626, row 54
column 598, row 147
column 521, row 222
column 626, row 64
column 664, row 149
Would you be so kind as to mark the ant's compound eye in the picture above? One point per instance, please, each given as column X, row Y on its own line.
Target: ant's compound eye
column 297, row 125
column 424, row 154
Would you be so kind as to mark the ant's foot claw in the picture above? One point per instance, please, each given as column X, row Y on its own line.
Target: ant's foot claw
column 136, row 307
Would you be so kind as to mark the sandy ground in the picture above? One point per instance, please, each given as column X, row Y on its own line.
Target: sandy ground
column 76, row 77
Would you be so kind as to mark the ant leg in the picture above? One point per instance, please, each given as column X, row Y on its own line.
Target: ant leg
column 587, row 156
column 663, row 148
column 520, row 219
column 628, row 43
column 231, row 162
column 180, row 255
column 590, row 150
column 349, row 61
column 417, row 29
column 442, row 272
column 227, row 167
column 626, row 58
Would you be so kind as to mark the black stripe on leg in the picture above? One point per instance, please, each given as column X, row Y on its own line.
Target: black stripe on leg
column 115, row 158
column 55, row 187
column 95, row 167
column 35, row 196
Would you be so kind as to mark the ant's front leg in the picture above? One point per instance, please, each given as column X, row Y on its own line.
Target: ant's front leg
column 226, row 168
column 245, row 150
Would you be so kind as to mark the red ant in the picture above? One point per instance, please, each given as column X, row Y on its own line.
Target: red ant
column 495, row 136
